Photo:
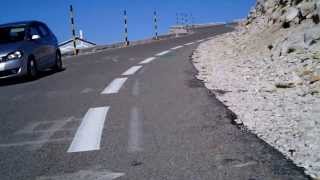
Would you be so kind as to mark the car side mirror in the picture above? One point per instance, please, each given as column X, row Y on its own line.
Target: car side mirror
column 35, row 37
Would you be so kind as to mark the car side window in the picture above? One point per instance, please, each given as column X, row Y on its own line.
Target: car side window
column 44, row 32
column 34, row 31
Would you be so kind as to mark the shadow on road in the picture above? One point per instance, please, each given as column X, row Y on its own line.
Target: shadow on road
column 21, row 80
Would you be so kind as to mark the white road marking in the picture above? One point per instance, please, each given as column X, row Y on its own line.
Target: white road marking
column 45, row 137
column 177, row 47
column 163, row 53
column 88, row 135
column 36, row 143
column 85, row 174
column 114, row 86
column 2, row 66
column 199, row 41
column 86, row 90
column 131, row 70
column 250, row 163
column 32, row 127
column 53, row 127
column 135, row 131
column 189, row 44
column 148, row 60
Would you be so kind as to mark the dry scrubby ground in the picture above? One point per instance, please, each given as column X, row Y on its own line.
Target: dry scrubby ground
column 263, row 75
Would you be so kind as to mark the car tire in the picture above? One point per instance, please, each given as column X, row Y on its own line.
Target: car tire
column 32, row 69
column 58, row 63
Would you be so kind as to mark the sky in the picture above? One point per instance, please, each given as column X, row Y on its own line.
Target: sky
column 102, row 20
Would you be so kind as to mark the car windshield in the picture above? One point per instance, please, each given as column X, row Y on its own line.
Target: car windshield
column 12, row 34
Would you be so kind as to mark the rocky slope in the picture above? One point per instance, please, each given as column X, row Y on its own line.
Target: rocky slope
column 268, row 73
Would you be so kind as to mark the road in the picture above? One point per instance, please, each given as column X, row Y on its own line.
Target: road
column 132, row 113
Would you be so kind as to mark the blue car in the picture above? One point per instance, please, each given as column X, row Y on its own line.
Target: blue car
column 27, row 48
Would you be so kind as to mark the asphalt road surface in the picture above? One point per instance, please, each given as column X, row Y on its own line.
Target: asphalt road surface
column 135, row 113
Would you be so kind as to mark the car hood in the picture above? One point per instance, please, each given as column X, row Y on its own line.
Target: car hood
column 10, row 47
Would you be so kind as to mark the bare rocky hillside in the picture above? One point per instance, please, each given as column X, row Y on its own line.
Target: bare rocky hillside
column 268, row 73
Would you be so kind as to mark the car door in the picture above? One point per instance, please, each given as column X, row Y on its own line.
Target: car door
column 48, row 50
column 53, row 43
column 38, row 47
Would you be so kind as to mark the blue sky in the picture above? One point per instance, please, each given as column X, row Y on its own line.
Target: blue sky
column 102, row 20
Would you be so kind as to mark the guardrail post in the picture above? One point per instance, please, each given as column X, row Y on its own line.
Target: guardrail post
column 177, row 18
column 155, row 25
column 192, row 19
column 126, row 28
column 186, row 18
column 75, row 52
column 182, row 19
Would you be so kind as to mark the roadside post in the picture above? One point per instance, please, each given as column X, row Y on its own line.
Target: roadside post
column 126, row 28
column 177, row 18
column 186, row 19
column 192, row 19
column 155, row 25
column 182, row 19
column 73, row 31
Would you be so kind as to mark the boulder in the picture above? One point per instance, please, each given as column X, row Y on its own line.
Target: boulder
column 312, row 35
column 317, row 7
column 276, row 16
column 271, row 4
column 307, row 8
column 316, row 55
column 291, row 13
column 284, row 85
column 293, row 44
column 316, row 14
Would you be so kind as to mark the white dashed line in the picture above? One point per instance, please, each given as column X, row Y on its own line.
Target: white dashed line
column 88, row 135
column 189, row 44
column 163, row 53
column 148, row 60
column 200, row 41
column 177, row 47
column 131, row 70
column 114, row 86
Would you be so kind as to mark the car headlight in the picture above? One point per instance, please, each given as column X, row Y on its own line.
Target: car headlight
column 15, row 55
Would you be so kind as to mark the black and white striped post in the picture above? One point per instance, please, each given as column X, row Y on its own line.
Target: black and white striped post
column 191, row 19
column 155, row 25
column 126, row 28
column 73, row 31
column 182, row 18
column 186, row 19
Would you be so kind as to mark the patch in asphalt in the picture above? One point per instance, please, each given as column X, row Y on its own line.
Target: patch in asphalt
column 193, row 83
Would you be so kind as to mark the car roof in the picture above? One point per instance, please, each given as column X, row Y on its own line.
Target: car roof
column 20, row 23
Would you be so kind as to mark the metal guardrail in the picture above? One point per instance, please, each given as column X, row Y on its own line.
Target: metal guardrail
column 99, row 48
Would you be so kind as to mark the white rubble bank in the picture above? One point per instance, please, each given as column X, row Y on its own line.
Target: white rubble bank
column 275, row 97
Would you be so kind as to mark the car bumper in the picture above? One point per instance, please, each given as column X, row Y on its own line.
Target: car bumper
column 12, row 68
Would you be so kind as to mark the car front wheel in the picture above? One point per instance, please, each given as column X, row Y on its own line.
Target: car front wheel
column 58, row 64
column 32, row 69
